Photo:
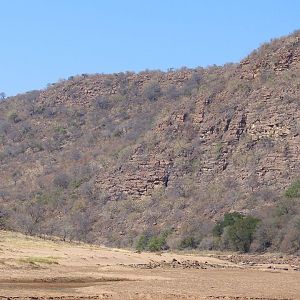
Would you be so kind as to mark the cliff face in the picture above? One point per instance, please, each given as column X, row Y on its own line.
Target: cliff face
column 112, row 156
column 247, row 130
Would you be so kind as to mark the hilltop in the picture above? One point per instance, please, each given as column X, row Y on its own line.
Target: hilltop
column 113, row 158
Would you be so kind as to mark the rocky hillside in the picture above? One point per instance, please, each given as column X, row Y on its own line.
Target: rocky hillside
column 108, row 158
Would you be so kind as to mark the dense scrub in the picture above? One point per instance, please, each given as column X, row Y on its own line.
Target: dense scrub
column 124, row 158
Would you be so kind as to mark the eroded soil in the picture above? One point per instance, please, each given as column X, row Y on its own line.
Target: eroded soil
column 32, row 268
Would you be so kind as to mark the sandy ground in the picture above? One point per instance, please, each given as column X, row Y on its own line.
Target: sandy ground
column 32, row 268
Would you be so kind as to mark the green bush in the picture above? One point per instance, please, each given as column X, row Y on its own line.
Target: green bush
column 157, row 243
column 142, row 243
column 153, row 243
column 239, row 231
column 293, row 191
column 229, row 219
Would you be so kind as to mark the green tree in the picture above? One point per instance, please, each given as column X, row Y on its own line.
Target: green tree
column 142, row 243
column 240, row 234
column 228, row 220
column 157, row 243
column 239, row 231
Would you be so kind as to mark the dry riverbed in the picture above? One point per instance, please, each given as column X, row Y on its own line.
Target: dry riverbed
column 32, row 268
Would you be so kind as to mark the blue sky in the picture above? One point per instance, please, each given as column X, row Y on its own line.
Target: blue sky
column 43, row 41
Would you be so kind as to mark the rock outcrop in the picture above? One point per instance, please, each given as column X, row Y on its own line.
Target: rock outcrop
column 131, row 151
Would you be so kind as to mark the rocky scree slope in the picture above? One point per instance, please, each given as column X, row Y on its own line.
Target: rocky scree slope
column 105, row 158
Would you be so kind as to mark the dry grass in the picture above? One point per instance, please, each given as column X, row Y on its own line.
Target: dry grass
column 39, row 260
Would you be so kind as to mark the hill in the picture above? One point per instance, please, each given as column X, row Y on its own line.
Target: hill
column 119, row 158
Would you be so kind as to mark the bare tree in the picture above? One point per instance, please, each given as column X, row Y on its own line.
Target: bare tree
column 152, row 90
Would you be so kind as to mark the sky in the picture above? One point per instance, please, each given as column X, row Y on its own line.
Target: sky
column 43, row 41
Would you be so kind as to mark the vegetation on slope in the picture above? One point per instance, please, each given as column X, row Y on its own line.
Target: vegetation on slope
column 114, row 158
